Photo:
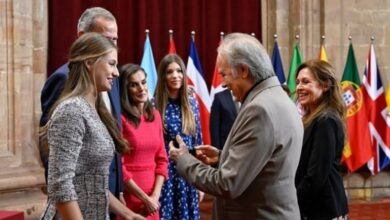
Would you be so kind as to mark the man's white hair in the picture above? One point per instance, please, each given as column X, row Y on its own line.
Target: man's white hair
column 87, row 21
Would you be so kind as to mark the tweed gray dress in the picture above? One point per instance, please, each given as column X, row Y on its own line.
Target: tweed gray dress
column 81, row 150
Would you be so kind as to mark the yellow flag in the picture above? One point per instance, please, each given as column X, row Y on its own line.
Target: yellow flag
column 388, row 98
column 322, row 55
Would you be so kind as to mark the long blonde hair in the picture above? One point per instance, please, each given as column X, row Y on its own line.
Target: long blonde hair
column 90, row 47
column 161, row 94
column 331, row 98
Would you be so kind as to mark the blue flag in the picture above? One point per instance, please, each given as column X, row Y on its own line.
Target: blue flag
column 277, row 63
column 150, row 68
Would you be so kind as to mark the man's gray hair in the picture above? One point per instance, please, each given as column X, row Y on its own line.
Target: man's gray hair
column 87, row 21
column 244, row 49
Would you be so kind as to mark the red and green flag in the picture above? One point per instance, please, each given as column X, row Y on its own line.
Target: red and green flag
column 357, row 149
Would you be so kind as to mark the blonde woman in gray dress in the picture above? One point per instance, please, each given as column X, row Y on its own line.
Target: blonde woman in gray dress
column 81, row 136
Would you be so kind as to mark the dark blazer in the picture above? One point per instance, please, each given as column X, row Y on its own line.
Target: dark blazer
column 222, row 115
column 50, row 94
column 320, row 189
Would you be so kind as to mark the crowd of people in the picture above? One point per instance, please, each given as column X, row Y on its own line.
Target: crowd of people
column 116, row 154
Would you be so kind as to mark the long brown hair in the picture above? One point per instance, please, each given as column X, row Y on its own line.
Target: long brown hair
column 331, row 98
column 90, row 47
column 128, row 109
column 161, row 94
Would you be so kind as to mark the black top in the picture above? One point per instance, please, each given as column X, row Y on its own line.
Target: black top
column 320, row 189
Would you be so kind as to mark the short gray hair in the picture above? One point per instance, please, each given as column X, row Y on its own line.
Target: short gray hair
column 245, row 49
column 87, row 21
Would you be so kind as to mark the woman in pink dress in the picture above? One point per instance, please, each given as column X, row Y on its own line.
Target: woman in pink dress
column 145, row 167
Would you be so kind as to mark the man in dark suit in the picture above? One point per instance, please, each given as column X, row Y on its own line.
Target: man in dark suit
column 92, row 20
column 222, row 115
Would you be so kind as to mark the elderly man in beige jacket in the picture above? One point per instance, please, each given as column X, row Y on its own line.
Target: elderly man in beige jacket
column 254, row 178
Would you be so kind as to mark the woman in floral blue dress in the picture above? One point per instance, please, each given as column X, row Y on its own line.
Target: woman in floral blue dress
column 180, row 115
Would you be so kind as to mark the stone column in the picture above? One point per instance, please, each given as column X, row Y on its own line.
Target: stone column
column 23, row 50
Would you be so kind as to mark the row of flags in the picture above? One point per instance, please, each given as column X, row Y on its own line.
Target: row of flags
column 368, row 119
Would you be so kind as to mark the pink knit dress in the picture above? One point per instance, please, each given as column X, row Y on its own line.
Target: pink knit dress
column 146, row 159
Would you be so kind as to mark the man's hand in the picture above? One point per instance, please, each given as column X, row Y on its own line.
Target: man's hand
column 175, row 153
column 207, row 154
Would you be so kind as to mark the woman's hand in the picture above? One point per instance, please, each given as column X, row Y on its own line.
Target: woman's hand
column 121, row 210
column 152, row 204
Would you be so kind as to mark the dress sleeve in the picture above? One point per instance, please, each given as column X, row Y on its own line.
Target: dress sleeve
column 161, row 157
column 126, row 174
column 65, row 135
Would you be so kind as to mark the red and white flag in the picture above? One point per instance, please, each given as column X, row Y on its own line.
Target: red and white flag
column 172, row 48
column 379, row 123
column 216, row 85
column 197, row 81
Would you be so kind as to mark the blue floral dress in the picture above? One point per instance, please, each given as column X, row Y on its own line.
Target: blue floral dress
column 179, row 199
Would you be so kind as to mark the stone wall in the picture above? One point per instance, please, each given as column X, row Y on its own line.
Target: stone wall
column 336, row 20
column 23, row 49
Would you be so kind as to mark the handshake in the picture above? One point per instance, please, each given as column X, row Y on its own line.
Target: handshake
column 205, row 153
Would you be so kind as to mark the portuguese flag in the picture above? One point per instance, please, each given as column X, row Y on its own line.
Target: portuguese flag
column 357, row 149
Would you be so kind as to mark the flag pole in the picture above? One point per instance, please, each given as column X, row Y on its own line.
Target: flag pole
column 350, row 39
column 297, row 41
column 170, row 34
column 275, row 38
column 253, row 34
column 147, row 32
column 322, row 41
column 221, row 36
column 171, row 47
column 297, row 38
column 372, row 40
column 193, row 35
column 322, row 54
